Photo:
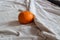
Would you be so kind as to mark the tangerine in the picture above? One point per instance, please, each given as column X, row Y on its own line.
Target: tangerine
column 25, row 17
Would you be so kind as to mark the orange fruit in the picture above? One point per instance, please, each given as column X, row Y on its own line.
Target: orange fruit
column 25, row 17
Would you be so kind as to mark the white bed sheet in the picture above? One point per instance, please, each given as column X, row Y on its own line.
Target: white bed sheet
column 47, row 20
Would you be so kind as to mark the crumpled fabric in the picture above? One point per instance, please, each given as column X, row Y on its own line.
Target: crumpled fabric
column 46, row 25
column 48, row 17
